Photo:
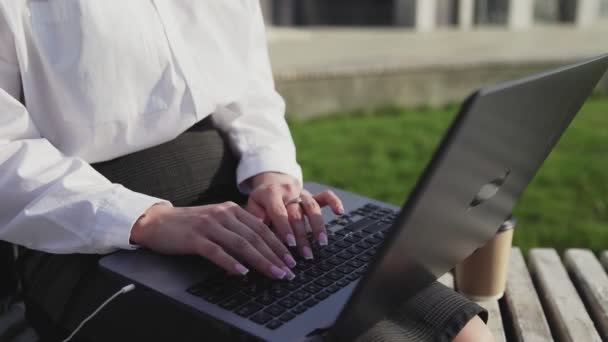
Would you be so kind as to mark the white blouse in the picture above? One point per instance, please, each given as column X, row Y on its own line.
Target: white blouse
column 102, row 79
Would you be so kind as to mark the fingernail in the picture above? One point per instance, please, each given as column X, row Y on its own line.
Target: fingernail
column 323, row 239
column 341, row 210
column 290, row 275
column 291, row 240
column 241, row 269
column 289, row 260
column 307, row 253
column 277, row 272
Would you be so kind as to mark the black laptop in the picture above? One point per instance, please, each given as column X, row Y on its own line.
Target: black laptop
column 380, row 255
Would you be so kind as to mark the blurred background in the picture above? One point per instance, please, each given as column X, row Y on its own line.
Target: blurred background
column 371, row 85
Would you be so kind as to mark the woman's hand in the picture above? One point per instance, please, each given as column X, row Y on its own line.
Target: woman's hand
column 267, row 201
column 221, row 233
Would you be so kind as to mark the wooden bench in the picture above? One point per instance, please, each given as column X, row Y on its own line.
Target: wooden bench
column 549, row 298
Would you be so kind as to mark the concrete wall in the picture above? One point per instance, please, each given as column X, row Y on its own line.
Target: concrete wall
column 310, row 96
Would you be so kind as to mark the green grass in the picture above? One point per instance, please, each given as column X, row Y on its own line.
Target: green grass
column 381, row 153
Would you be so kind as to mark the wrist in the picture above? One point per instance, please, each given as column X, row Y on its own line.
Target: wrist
column 270, row 178
column 141, row 226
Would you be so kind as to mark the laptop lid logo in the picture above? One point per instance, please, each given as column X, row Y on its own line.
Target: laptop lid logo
column 489, row 190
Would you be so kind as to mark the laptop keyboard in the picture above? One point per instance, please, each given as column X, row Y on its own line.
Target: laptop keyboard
column 353, row 240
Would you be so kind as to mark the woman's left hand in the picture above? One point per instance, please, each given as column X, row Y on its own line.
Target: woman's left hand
column 269, row 201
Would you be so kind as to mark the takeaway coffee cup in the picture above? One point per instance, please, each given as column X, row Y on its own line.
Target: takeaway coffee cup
column 483, row 275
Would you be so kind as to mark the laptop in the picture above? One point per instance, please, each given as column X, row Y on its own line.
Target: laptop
column 380, row 255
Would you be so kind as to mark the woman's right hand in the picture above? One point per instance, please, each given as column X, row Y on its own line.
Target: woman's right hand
column 221, row 233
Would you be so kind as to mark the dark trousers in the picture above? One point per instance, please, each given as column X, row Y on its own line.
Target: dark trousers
column 196, row 168
column 60, row 290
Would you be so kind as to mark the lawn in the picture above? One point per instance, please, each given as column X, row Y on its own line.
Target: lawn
column 381, row 153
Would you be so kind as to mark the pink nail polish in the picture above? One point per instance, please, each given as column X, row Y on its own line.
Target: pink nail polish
column 289, row 275
column 289, row 260
column 323, row 239
column 291, row 240
column 241, row 269
column 341, row 210
column 277, row 272
column 307, row 253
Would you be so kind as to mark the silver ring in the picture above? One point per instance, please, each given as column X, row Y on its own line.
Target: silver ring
column 294, row 200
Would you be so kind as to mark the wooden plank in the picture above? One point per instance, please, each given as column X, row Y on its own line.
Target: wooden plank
column 523, row 304
column 604, row 259
column 565, row 310
column 494, row 320
column 592, row 282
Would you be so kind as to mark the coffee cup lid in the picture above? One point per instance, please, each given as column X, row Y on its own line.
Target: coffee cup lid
column 508, row 224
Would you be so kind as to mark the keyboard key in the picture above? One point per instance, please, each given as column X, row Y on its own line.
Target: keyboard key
column 323, row 282
column 302, row 278
column 314, row 272
column 322, row 295
column 290, row 286
column 335, row 261
column 334, row 275
column 355, row 263
column 333, row 249
column 265, row 299
column 300, row 295
column 361, row 224
column 373, row 240
column 342, row 282
column 355, row 250
column 299, row 309
column 325, row 266
column 345, row 255
column 286, row 317
column 364, row 258
column 249, row 309
column 278, row 292
column 332, row 288
column 343, row 244
column 363, row 244
column 324, row 254
column 274, row 310
column 311, row 288
column 353, row 276
column 352, row 239
column 311, row 302
column 261, row 318
column 371, row 252
column 234, row 301
column 254, row 290
column 375, row 227
column 345, row 269
column 274, row 324
column 288, row 302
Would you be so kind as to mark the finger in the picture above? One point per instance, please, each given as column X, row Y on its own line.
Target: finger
column 238, row 227
column 268, row 235
column 313, row 212
column 256, row 209
column 275, row 209
column 239, row 246
column 328, row 198
column 296, row 219
column 218, row 256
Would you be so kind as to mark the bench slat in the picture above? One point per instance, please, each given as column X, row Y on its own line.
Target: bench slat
column 592, row 281
column 494, row 319
column 604, row 259
column 565, row 310
column 523, row 304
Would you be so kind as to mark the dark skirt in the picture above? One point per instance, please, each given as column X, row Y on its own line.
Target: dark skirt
column 196, row 168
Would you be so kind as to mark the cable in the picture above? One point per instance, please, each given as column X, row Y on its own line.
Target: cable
column 125, row 289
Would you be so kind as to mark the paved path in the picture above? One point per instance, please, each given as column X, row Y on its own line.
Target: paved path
column 324, row 70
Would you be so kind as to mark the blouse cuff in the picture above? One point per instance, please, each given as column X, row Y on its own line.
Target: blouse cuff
column 118, row 214
column 271, row 160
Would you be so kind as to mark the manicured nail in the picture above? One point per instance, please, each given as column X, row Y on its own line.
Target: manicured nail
column 289, row 260
column 291, row 240
column 307, row 253
column 290, row 275
column 323, row 239
column 241, row 269
column 341, row 210
column 277, row 272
